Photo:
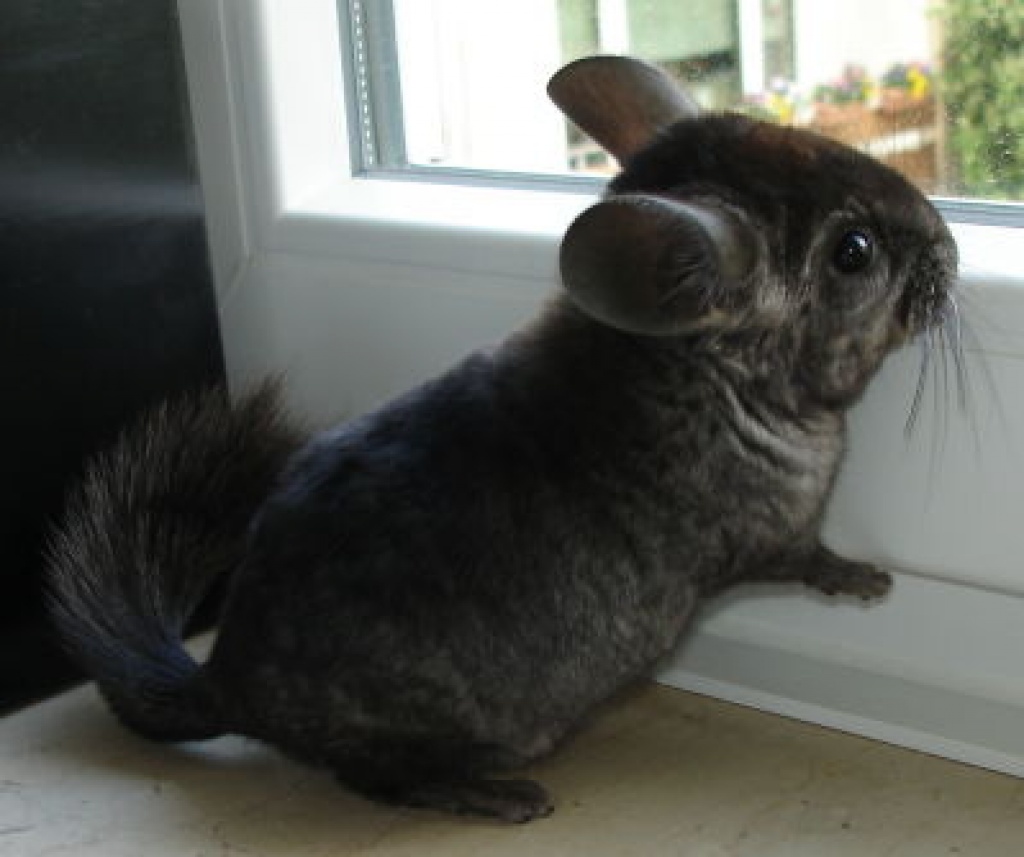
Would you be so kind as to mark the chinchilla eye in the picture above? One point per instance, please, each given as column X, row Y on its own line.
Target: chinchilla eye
column 854, row 252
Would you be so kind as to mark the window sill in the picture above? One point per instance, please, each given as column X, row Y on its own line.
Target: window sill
column 348, row 210
column 515, row 233
column 472, row 228
column 659, row 773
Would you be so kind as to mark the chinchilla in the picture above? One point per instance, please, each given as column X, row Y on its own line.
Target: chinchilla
column 437, row 592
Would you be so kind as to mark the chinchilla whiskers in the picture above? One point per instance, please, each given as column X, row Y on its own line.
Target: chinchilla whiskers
column 939, row 344
column 940, row 402
column 954, row 327
column 944, row 361
column 926, row 345
column 981, row 370
column 934, row 373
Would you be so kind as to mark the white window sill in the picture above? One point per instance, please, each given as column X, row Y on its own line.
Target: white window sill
column 660, row 773
column 393, row 219
column 484, row 229
column 398, row 220
column 515, row 233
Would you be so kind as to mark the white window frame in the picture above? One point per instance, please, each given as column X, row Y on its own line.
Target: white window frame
column 292, row 182
column 278, row 171
column 289, row 217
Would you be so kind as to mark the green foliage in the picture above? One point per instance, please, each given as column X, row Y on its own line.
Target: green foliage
column 983, row 85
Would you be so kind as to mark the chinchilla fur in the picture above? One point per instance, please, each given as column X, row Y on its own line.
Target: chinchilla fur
column 438, row 591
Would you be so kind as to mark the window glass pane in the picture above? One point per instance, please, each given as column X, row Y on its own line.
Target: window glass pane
column 930, row 86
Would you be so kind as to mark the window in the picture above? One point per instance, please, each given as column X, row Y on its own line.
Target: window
column 931, row 88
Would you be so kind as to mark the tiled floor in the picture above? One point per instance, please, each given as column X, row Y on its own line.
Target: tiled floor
column 659, row 773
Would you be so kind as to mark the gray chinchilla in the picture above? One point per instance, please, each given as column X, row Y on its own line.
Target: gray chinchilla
column 438, row 591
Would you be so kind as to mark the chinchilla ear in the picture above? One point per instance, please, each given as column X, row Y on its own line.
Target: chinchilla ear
column 657, row 266
column 621, row 102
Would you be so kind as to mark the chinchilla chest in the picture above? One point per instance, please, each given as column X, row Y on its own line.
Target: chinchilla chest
column 720, row 497
column 628, row 557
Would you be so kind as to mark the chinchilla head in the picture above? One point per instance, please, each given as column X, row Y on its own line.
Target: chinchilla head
column 727, row 230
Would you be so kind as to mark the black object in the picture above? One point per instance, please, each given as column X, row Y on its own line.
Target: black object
column 106, row 299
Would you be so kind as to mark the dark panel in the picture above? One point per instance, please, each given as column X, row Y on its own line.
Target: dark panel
column 106, row 301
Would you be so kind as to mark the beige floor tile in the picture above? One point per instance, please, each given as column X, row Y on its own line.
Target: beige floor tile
column 660, row 772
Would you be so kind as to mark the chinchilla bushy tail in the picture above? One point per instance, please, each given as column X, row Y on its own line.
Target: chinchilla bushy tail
column 153, row 523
